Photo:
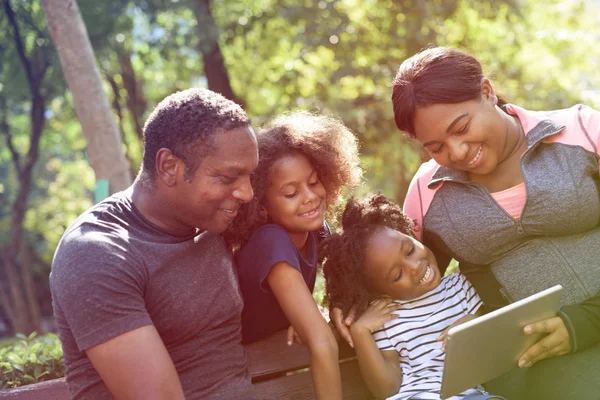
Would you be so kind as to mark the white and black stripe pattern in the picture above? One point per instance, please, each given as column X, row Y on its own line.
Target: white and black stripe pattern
column 413, row 335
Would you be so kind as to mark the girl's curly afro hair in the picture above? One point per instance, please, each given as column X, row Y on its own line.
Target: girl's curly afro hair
column 342, row 254
column 329, row 146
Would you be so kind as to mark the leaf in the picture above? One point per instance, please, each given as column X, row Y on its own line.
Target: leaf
column 42, row 374
column 15, row 359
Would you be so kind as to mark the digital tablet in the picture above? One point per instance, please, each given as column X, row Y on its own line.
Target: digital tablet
column 489, row 346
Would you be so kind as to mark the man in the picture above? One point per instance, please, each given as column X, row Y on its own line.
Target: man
column 144, row 290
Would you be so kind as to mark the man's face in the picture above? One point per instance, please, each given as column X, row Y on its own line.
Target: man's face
column 210, row 200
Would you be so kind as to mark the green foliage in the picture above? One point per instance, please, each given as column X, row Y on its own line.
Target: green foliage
column 31, row 359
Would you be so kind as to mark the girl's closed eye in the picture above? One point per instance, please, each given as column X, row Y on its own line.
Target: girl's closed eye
column 399, row 276
column 291, row 195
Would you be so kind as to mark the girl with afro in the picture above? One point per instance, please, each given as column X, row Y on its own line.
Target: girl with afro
column 375, row 260
column 305, row 162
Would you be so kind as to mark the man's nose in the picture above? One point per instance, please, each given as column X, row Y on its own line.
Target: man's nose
column 244, row 191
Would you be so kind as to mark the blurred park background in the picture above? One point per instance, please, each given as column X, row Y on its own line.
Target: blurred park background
column 331, row 56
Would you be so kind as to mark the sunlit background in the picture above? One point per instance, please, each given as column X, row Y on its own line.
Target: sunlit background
column 334, row 57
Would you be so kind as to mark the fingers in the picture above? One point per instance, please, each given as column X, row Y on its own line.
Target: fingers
column 535, row 353
column 555, row 343
column 444, row 344
column 443, row 335
column 351, row 315
column 290, row 335
column 336, row 316
column 341, row 326
column 544, row 326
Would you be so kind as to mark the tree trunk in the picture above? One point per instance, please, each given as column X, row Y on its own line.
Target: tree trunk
column 214, row 65
column 18, row 298
column 70, row 37
column 136, row 102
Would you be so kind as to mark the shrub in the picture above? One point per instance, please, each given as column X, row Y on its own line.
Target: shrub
column 31, row 359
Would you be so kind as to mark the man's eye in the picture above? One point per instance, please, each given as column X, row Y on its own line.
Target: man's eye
column 411, row 251
column 228, row 180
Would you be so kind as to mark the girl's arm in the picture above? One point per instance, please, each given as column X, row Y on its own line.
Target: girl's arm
column 296, row 301
column 380, row 369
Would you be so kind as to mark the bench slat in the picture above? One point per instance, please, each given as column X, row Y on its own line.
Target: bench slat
column 55, row 389
column 272, row 355
column 299, row 386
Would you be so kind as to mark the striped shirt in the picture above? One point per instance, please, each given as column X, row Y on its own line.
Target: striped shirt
column 413, row 335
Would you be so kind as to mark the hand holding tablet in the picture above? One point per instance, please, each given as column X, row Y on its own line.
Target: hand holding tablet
column 555, row 343
column 489, row 346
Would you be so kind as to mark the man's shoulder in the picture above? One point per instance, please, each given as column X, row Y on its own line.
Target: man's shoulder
column 99, row 233
column 105, row 219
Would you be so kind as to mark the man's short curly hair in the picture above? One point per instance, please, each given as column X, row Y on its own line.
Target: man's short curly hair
column 343, row 253
column 186, row 123
column 329, row 146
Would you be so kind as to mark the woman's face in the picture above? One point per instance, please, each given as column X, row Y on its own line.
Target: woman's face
column 470, row 136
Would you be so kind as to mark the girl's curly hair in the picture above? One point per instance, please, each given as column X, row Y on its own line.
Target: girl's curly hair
column 329, row 146
column 342, row 254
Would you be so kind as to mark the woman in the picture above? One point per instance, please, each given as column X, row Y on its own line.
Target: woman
column 514, row 193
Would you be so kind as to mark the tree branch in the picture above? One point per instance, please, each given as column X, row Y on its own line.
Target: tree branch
column 5, row 127
column 19, row 42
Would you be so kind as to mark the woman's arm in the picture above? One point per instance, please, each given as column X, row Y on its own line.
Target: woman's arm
column 296, row 301
column 380, row 369
column 583, row 322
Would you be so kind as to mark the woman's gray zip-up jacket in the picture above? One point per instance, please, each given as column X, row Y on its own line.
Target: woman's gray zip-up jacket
column 556, row 240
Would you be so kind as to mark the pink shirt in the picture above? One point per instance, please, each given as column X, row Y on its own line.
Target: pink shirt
column 512, row 200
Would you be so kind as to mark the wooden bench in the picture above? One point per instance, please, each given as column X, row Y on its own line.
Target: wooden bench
column 278, row 372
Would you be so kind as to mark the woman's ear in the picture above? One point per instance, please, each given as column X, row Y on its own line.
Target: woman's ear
column 487, row 91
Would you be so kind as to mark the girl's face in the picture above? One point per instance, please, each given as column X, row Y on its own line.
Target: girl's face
column 399, row 266
column 295, row 197
column 470, row 136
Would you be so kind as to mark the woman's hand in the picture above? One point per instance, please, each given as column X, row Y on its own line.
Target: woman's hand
column 342, row 325
column 555, row 343
column 378, row 313
column 459, row 321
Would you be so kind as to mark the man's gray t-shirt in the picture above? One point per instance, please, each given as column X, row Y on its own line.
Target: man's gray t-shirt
column 114, row 271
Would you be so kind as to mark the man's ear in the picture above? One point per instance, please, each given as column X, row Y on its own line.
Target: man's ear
column 168, row 167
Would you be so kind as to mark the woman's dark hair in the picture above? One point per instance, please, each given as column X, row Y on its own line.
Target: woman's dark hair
column 439, row 75
column 342, row 254
column 329, row 146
